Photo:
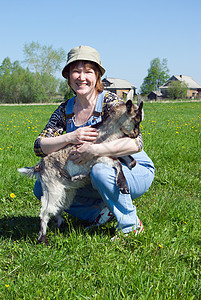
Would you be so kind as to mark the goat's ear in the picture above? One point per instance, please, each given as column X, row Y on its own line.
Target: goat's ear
column 141, row 110
column 140, row 105
column 129, row 106
column 130, row 95
column 138, row 100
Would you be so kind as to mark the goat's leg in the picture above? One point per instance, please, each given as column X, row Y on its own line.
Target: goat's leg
column 44, row 218
column 128, row 160
column 120, row 178
column 53, row 202
column 59, row 220
column 67, row 197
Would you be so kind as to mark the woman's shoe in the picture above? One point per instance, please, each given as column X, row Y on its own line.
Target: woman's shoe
column 138, row 230
column 105, row 216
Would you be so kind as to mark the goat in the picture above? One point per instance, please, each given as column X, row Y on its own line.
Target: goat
column 60, row 177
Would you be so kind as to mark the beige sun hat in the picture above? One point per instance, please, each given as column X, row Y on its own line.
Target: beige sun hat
column 83, row 53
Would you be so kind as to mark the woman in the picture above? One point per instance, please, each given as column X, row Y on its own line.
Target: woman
column 100, row 201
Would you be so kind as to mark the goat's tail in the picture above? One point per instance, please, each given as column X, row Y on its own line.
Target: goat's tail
column 29, row 172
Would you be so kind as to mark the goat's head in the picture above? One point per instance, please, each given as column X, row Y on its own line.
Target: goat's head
column 132, row 119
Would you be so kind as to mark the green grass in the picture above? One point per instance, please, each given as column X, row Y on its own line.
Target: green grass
column 162, row 263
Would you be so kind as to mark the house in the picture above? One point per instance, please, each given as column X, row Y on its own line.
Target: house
column 194, row 88
column 155, row 95
column 118, row 86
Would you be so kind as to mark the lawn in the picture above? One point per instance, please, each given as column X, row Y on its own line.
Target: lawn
column 162, row 263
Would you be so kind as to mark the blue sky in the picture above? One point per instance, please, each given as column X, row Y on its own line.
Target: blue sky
column 128, row 34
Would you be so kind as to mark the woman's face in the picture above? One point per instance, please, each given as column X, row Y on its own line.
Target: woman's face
column 83, row 79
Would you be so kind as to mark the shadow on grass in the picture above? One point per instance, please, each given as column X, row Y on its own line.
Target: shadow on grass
column 23, row 227
column 72, row 223
column 20, row 227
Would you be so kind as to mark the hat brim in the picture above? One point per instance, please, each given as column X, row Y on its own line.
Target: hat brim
column 65, row 69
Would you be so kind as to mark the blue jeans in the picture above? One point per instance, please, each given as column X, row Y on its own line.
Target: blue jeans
column 91, row 199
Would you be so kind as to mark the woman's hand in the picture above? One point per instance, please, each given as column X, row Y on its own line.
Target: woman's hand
column 119, row 147
column 83, row 153
column 83, row 135
column 79, row 136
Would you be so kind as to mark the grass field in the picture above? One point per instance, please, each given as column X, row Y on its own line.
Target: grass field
column 162, row 263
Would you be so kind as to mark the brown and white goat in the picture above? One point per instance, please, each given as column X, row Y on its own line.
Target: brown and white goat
column 60, row 177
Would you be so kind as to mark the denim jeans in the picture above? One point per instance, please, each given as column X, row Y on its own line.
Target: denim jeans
column 91, row 199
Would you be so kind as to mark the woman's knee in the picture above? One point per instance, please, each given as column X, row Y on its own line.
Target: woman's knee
column 141, row 184
column 101, row 173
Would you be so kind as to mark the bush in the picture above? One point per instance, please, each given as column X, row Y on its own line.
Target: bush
column 65, row 90
column 177, row 90
column 21, row 87
column 18, row 85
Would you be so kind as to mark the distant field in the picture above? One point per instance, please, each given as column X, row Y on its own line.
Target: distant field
column 162, row 263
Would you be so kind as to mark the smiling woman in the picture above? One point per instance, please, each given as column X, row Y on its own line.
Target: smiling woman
column 89, row 67
column 83, row 80
column 72, row 123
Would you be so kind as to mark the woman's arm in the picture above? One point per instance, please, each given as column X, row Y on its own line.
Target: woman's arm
column 79, row 136
column 120, row 147
column 55, row 128
column 52, row 138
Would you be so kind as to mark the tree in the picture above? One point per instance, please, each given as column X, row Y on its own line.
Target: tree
column 32, row 89
column 158, row 73
column 43, row 59
column 18, row 85
column 177, row 89
column 7, row 67
column 50, row 83
column 66, row 90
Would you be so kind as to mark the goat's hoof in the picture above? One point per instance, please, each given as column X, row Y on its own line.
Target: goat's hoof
column 125, row 190
column 59, row 222
column 62, row 226
column 43, row 239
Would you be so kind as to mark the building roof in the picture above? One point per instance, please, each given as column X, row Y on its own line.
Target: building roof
column 192, row 84
column 117, row 83
column 157, row 93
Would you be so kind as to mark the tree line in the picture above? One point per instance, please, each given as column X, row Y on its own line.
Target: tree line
column 37, row 81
